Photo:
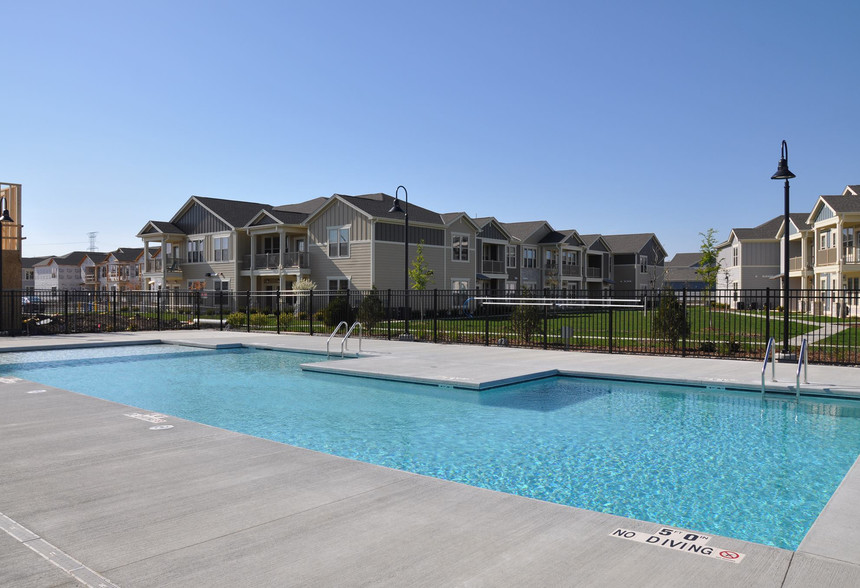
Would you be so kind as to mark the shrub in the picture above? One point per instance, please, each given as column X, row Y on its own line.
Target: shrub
column 526, row 319
column 259, row 319
column 338, row 310
column 237, row 319
column 371, row 310
column 670, row 320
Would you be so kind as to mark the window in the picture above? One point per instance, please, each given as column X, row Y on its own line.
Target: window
column 570, row 257
column 338, row 284
column 272, row 244
column 511, row 256
column 735, row 255
column 549, row 259
column 196, row 285
column 643, row 263
column 458, row 284
column 529, row 257
column 195, row 251
column 220, row 285
column 460, row 247
column 222, row 248
column 338, row 242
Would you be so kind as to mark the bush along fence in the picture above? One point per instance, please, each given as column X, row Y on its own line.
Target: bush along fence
column 720, row 323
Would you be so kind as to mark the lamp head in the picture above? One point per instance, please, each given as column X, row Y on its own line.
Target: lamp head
column 396, row 207
column 782, row 171
column 6, row 218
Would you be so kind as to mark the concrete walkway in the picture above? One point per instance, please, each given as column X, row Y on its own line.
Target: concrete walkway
column 91, row 496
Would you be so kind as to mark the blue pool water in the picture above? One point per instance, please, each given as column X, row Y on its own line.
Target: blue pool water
column 720, row 462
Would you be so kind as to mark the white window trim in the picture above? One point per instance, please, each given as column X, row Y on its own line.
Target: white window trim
column 535, row 258
column 466, row 281
column 508, row 256
column 339, row 228
column 468, row 247
column 229, row 248
column 339, row 279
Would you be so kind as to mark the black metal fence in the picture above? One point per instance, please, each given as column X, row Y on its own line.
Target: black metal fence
column 722, row 323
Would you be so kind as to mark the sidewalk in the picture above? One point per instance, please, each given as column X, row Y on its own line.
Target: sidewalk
column 200, row 506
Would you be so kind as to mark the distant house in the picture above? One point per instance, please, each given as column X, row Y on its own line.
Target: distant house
column 638, row 261
column 122, row 269
column 599, row 273
column 681, row 272
column 750, row 260
column 28, row 272
column 73, row 271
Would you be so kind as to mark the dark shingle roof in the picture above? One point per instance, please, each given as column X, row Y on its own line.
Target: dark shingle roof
column 306, row 207
column 843, row 203
column 799, row 220
column 29, row 262
column 74, row 258
column 766, row 230
column 162, row 227
column 628, row 243
column 234, row 212
column 378, row 206
column 685, row 260
column 524, row 230
column 127, row 253
column 855, row 188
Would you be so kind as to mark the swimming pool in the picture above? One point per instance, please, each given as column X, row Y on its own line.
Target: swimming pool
column 720, row 462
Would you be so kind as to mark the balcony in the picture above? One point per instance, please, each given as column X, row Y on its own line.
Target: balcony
column 594, row 272
column 492, row 266
column 90, row 276
column 825, row 256
column 795, row 264
column 271, row 261
column 157, row 266
column 571, row 271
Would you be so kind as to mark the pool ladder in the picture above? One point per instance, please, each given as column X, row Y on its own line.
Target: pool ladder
column 802, row 361
column 344, row 343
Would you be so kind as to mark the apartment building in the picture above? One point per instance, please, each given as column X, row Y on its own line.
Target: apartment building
column 73, row 271
column 638, row 261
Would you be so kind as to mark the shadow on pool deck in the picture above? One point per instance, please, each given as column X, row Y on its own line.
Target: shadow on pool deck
column 198, row 506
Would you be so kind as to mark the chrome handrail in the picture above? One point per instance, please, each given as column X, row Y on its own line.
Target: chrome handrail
column 802, row 359
column 333, row 333
column 344, row 343
column 768, row 353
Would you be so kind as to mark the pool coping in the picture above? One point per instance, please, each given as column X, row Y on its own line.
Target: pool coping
column 825, row 549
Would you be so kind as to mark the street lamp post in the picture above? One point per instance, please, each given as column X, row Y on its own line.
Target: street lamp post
column 783, row 173
column 405, row 211
column 5, row 218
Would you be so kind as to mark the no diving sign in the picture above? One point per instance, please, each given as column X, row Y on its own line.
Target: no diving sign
column 680, row 540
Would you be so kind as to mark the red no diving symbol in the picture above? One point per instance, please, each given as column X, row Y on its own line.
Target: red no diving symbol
column 729, row 555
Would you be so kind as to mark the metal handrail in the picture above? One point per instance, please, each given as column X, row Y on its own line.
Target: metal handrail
column 768, row 353
column 333, row 333
column 802, row 359
column 344, row 343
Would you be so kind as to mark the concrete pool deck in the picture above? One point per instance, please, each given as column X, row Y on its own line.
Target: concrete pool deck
column 89, row 495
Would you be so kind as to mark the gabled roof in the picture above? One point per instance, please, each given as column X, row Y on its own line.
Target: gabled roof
column 842, row 204
column 798, row 219
column 73, row 258
column 160, row 227
column 276, row 217
column 127, row 254
column 569, row 237
column 482, row 222
column 451, row 217
column 379, row 205
column 766, row 230
column 235, row 213
column 632, row 243
column 685, row 260
column 852, row 190
column 30, row 262
column 591, row 240
column 522, row 231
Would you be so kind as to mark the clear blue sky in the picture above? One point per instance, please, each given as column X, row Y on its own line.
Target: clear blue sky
column 605, row 117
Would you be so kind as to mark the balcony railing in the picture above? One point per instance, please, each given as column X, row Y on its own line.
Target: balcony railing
column 796, row 264
column 571, row 270
column 492, row 266
column 594, row 272
column 271, row 261
column 825, row 256
column 157, row 265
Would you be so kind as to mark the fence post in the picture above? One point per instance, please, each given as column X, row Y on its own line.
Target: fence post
column 248, row 311
column 545, row 320
column 278, row 310
column 220, row 310
column 686, row 322
column 158, row 310
column 66, row 309
column 388, row 313
column 197, row 307
column 311, row 312
column 611, row 314
column 486, row 329
column 113, row 294
column 767, row 315
column 435, row 313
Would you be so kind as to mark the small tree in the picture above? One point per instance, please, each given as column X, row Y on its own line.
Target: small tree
column 670, row 319
column 338, row 310
column 709, row 264
column 421, row 275
column 371, row 310
column 526, row 319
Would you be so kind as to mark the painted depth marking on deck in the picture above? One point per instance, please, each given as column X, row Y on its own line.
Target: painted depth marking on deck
column 150, row 418
column 680, row 540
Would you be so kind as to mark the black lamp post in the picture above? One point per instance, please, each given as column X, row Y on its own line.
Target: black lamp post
column 5, row 218
column 405, row 211
column 783, row 173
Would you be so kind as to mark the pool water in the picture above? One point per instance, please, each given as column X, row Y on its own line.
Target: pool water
column 720, row 462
